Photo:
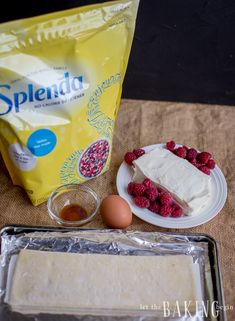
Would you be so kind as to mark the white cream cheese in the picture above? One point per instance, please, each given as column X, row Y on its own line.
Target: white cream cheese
column 177, row 175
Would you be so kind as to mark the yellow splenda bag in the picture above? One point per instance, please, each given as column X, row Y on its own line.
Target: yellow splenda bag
column 61, row 78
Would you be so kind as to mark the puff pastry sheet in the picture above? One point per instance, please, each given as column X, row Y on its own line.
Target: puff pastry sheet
column 54, row 280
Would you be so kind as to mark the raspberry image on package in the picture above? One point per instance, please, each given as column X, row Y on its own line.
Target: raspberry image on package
column 94, row 158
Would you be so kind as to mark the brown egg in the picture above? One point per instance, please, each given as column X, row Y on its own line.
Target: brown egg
column 115, row 212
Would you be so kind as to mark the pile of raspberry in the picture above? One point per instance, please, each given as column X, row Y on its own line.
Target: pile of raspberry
column 203, row 161
column 158, row 201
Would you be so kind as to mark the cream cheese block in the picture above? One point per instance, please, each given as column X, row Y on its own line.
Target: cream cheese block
column 191, row 186
column 58, row 282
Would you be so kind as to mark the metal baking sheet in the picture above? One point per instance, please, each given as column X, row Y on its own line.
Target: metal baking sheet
column 201, row 246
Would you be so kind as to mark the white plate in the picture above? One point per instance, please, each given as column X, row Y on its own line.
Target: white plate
column 214, row 206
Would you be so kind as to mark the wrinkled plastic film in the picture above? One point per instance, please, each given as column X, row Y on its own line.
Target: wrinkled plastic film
column 105, row 242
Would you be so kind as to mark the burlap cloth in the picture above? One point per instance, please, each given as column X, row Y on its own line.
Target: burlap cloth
column 141, row 123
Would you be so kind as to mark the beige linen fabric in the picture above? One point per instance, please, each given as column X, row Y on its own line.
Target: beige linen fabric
column 141, row 123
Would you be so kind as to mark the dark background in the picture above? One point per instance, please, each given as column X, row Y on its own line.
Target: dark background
column 183, row 50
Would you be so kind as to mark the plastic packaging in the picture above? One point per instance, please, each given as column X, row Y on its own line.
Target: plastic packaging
column 200, row 247
column 61, row 78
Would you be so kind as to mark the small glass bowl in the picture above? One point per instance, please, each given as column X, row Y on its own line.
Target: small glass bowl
column 73, row 194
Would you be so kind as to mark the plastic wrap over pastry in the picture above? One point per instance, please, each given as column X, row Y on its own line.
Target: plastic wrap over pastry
column 106, row 275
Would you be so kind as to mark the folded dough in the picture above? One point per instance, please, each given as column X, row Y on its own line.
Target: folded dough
column 48, row 281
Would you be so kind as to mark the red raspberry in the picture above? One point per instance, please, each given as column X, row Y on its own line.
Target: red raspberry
column 142, row 201
column 185, row 147
column 170, row 145
column 203, row 157
column 165, row 198
column 210, row 164
column 191, row 154
column 148, row 183
column 160, row 191
column 139, row 189
column 181, row 152
column 204, row 169
column 177, row 211
column 195, row 163
column 151, row 193
column 154, row 207
column 165, row 211
column 130, row 188
column 139, row 152
column 129, row 158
